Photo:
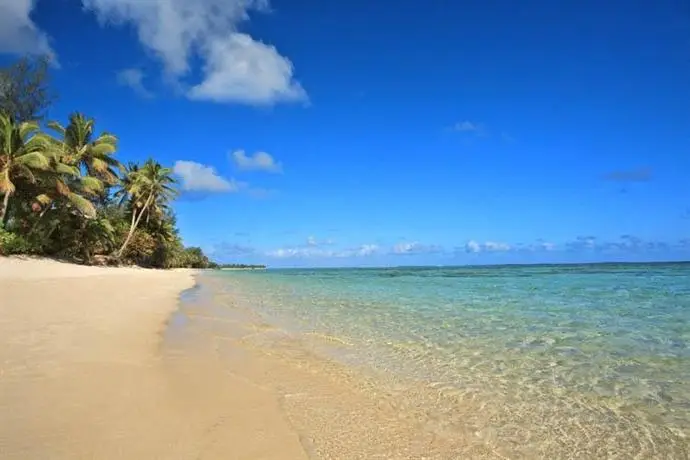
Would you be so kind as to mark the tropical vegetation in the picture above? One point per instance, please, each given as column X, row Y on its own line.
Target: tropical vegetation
column 64, row 193
column 240, row 266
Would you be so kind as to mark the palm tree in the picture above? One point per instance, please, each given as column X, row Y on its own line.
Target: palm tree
column 22, row 154
column 148, row 189
column 82, row 166
column 78, row 148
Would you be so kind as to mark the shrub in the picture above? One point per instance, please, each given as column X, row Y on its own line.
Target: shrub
column 11, row 243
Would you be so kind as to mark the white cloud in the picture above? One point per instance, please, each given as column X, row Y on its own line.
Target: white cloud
column 472, row 246
column 415, row 248
column 18, row 33
column 236, row 68
column 197, row 177
column 469, row 127
column 300, row 252
column 489, row 246
column 260, row 161
column 311, row 251
column 545, row 246
column 492, row 246
column 241, row 69
column 134, row 79
column 366, row 250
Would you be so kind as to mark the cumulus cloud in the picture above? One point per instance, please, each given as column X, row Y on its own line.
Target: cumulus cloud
column 241, row 69
column 18, row 33
column 489, row 246
column 630, row 175
column 259, row 161
column 197, row 177
column 412, row 248
column 236, row 68
column 134, row 79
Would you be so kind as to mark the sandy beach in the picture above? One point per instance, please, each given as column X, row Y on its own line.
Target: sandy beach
column 82, row 375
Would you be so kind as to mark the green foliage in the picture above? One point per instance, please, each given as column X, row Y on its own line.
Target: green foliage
column 195, row 258
column 250, row 266
column 25, row 92
column 64, row 193
column 11, row 243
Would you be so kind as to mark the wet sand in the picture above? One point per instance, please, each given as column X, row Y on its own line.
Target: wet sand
column 82, row 374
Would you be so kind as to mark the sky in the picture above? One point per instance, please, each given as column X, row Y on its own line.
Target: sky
column 360, row 133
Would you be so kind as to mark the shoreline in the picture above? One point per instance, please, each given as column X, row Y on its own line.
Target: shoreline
column 82, row 374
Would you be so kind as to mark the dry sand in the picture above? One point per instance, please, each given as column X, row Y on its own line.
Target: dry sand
column 82, row 375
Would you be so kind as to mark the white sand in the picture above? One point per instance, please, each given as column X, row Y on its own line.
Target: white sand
column 82, row 377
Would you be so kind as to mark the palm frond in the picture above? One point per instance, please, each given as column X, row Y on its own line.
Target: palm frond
column 34, row 160
column 83, row 205
column 44, row 199
column 69, row 170
column 6, row 185
column 91, row 184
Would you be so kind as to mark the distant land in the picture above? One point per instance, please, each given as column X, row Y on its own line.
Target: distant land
column 241, row 267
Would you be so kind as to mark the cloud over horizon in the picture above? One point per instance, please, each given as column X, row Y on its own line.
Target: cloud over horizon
column 473, row 246
column 415, row 248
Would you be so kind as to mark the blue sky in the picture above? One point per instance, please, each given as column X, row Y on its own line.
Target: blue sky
column 391, row 133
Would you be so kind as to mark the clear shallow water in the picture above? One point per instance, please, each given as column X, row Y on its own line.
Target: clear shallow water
column 541, row 360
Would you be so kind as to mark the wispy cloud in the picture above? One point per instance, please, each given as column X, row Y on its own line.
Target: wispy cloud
column 134, row 79
column 415, row 248
column 625, row 243
column 197, row 177
column 473, row 246
column 259, row 161
column 470, row 127
column 19, row 35
column 235, row 67
column 314, row 242
column 629, row 175
column 314, row 250
column 233, row 250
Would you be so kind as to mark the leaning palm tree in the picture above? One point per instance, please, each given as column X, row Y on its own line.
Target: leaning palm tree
column 82, row 165
column 79, row 147
column 148, row 189
column 22, row 154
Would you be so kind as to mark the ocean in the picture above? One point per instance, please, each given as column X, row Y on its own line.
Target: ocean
column 542, row 361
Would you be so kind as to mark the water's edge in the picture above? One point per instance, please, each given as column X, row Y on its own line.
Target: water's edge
column 309, row 369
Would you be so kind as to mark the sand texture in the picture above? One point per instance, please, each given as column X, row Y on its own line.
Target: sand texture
column 82, row 375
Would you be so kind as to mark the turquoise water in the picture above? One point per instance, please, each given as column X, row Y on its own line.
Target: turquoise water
column 578, row 355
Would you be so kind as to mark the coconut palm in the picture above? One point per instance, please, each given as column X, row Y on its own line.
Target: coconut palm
column 82, row 165
column 22, row 155
column 148, row 190
column 78, row 147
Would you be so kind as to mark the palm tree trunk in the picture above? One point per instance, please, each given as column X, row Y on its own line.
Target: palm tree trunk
column 134, row 225
column 3, row 210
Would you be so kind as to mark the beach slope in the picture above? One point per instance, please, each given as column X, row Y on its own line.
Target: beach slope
column 82, row 375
